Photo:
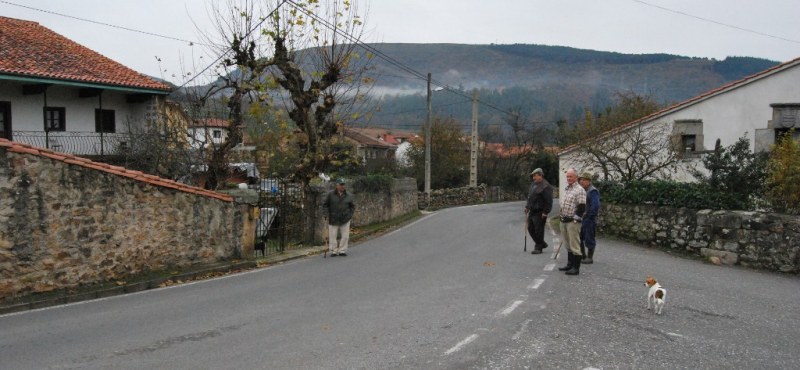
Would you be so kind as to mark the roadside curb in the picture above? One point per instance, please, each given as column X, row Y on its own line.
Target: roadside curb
column 224, row 267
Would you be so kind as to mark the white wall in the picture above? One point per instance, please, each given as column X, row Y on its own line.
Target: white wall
column 26, row 110
column 727, row 116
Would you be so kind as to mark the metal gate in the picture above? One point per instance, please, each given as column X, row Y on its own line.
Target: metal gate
column 281, row 221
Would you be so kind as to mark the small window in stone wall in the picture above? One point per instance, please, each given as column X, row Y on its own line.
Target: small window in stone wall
column 688, row 143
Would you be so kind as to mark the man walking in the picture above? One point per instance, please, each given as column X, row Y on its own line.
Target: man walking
column 340, row 206
column 589, row 224
column 540, row 202
column 573, row 206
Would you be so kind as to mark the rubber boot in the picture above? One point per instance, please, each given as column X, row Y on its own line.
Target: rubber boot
column 588, row 260
column 576, row 266
column 569, row 263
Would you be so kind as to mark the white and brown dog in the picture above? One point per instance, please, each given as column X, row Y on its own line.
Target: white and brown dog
column 656, row 295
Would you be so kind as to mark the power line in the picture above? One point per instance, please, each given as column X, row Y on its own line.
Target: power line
column 716, row 22
column 355, row 40
column 228, row 49
column 190, row 42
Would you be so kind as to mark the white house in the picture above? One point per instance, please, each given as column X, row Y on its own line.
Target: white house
column 762, row 107
column 207, row 132
column 58, row 94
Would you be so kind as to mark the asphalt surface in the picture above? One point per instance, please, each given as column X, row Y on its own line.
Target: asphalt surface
column 453, row 290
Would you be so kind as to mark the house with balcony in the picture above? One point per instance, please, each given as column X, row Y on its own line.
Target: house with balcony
column 60, row 95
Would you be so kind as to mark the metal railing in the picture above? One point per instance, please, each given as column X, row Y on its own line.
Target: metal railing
column 75, row 142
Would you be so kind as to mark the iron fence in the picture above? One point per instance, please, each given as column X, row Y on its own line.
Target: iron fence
column 281, row 224
column 75, row 142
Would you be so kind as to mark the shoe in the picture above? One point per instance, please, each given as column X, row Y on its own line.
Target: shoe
column 588, row 260
column 576, row 266
column 569, row 263
column 536, row 251
column 334, row 254
column 343, row 254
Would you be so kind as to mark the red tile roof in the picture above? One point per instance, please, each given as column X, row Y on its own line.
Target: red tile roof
column 114, row 170
column 689, row 102
column 31, row 50
column 210, row 122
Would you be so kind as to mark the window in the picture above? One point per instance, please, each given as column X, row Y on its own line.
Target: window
column 688, row 143
column 687, row 138
column 54, row 119
column 5, row 120
column 216, row 134
column 104, row 121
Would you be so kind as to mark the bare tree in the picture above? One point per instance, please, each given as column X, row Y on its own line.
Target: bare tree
column 621, row 148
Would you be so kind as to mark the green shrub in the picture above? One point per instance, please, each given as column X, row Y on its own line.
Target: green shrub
column 375, row 183
column 668, row 193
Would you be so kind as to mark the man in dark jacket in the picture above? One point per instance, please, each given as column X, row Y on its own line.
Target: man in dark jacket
column 589, row 224
column 340, row 207
column 540, row 202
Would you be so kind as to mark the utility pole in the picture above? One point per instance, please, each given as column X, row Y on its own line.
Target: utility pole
column 428, row 146
column 473, row 158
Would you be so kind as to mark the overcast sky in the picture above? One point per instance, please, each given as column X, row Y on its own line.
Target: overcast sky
column 699, row 28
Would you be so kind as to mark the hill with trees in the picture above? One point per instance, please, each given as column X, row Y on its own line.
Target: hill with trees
column 542, row 83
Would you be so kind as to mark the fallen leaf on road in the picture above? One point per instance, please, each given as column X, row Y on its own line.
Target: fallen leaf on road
column 488, row 264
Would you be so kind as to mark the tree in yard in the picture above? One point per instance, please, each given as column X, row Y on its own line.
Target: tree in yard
column 300, row 57
column 512, row 151
column 783, row 179
column 619, row 150
column 449, row 155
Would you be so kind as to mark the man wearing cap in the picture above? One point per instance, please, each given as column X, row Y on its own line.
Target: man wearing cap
column 540, row 202
column 589, row 224
column 340, row 206
column 573, row 206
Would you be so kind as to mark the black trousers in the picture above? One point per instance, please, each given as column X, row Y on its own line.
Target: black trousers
column 536, row 228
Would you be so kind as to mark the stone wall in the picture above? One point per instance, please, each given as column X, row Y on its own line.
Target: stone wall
column 754, row 239
column 442, row 198
column 399, row 200
column 69, row 222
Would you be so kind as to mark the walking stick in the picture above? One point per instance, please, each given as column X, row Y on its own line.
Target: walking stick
column 555, row 255
column 525, row 234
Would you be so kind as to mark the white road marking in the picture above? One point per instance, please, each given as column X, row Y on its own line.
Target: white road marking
column 550, row 266
column 513, row 306
column 461, row 344
column 675, row 335
column 536, row 283
column 522, row 329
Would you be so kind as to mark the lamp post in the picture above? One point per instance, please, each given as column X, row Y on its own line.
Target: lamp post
column 428, row 146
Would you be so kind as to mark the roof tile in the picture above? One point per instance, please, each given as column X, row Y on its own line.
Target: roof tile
column 29, row 49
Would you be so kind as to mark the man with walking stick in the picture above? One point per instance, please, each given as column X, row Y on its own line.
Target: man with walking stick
column 540, row 202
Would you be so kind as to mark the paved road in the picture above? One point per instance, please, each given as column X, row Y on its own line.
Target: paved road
column 451, row 291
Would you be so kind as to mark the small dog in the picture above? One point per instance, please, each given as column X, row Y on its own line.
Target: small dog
column 656, row 295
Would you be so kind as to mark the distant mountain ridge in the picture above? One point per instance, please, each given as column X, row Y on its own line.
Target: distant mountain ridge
column 549, row 82
column 546, row 83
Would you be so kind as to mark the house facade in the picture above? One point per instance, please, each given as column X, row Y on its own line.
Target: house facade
column 760, row 107
column 60, row 95
column 207, row 132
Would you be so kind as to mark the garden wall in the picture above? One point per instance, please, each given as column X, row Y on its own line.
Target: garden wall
column 759, row 240
column 67, row 221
